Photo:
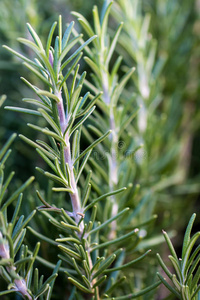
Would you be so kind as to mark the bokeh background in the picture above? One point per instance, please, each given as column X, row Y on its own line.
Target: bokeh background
column 175, row 28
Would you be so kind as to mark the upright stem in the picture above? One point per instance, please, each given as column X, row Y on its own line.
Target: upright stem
column 75, row 200
column 113, row 179
column 114, row 172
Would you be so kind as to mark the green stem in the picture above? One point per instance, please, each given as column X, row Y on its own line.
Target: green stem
column 113, row 165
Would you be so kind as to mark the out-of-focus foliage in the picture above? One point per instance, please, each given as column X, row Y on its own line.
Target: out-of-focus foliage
column 160, row 39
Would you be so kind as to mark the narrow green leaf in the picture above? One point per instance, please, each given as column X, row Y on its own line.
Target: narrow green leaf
column 48, row 66
column 5, row 186
column 79, row 286
column 196, row 291
column 29, row 44
column 38, row 103
column 42, row 237
column 186, row 240
column 127, row 121
column 74, row 98
column 46, row 159
column 17, row 192
column 128, row 264
column 79, row 272
column 115, row 285
column 79, row 123
column 4, row 159
column 69, row 72
column 115, row 69
column 49, row 95
column 49, row 40
column 48, row 148
column 75, row 144
column 7, row 292
column 16, row 211
column 42, row 199
column 73, row 83
column 67, row 190
column 119, row 88
column 70, row 252
column 56, row 56
column 78, row 50
column 7, row 145
column 169, row 243
column 60, row 173
column 17, row 226
column 50, row 279
column 85, row 24
column 100, row 281
column 35, row 36
column 19, row 240
column 192, row 270
column 169, row 287
column 104, row 22
column 27, row 220
column 54, row 135
column 177, row 268
column 21, row 56
column 50, row 120
column 93, row 145
column 109, row 221
column 68, row 218
column 189, row 249
column 93, row 66
column 96, row 20
column 60, row 33
column 23, row 110
column 37, row 73
column 68, row 47
column 83, row 165
column 69, row 226
column 23, row 260
column 103, row 197
column 87, row 266
column 42, row 290
column 68, row 239
column 177, row 284
column 87, row 282
column 136, row 295
column 56, row 178
column 35, row 145
column 105, row 264
column 44, row 99
column 164, row 267
column 11, row 246
column 196, row 278
column 86, row 195
column 113, row 44
column 115, row 241
column 89, row 105
column 67, row 35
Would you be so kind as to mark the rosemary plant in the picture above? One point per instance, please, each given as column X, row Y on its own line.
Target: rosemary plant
column 115, row 117
column 16, row 265
column 61, row 105
column 185, row 281
column 116, row 110
column 102, row 223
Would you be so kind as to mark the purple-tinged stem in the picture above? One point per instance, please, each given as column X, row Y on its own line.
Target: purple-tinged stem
column 75, row 200
column 20, row 283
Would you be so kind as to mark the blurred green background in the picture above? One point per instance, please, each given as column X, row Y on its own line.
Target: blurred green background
column 175, row 27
